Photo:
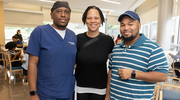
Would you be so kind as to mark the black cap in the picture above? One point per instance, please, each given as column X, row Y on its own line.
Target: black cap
column 58, row 4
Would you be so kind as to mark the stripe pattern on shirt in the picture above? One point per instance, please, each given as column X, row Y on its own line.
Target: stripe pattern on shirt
column 147, row 56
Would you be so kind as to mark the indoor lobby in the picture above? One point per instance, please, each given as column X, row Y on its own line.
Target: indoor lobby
column 160, row 22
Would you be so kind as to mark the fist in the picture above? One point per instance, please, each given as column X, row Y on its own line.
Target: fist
column 124, row 74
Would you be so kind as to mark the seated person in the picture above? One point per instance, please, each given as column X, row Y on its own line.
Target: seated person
column 13, row 55
column 175, row 57
column 25, row 66
column 17, row 41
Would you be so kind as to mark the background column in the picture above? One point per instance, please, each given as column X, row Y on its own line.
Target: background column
column 2, row 33
column 164, row 28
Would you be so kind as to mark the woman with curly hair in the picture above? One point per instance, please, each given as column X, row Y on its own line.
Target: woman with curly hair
column 11, row 46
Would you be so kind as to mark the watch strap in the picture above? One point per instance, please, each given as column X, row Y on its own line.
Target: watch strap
column 133, row 74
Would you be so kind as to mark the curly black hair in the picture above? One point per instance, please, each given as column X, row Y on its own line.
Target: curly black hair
column 25, row 48
column 10, row 45
column 15, row 37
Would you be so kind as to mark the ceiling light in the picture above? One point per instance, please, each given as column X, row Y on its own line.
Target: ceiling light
column 111, row 1
column 47, row 1
column 107, row 10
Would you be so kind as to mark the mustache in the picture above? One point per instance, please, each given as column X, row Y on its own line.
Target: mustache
column 126, row 31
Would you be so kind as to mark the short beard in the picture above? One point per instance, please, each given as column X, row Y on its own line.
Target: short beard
column 130, row 38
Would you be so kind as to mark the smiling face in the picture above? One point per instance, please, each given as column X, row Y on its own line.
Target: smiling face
column 129, row 28
column 61, row 17
column 93, row 20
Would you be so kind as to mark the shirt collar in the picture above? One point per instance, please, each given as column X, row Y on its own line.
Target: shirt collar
column 139, row 42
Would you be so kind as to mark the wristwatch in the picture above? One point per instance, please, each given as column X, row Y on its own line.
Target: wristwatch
column 33, row 93
column 133, row 74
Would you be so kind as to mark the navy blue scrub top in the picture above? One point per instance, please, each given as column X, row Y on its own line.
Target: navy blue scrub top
column 56, row 61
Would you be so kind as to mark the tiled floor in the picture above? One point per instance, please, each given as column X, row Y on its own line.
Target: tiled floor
column 15, row 91
column 18, row 91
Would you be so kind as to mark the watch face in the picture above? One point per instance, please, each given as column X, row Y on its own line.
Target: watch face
column 33, row 93
column 133, row 75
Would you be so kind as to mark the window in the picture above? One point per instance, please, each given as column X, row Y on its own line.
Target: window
column 113, row 30
column 153, row 31
column 175, row 36
column 150, row 31
column 146, row 30
column 11, row 31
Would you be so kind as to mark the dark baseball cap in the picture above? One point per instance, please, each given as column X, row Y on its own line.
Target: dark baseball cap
column 58, row 4
column 131, row 14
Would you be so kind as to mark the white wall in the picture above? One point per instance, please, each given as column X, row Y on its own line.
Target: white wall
column 24, row 15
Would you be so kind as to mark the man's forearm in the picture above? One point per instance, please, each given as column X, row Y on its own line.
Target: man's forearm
column 32, row 72
column 32, row 78
column 151, row 77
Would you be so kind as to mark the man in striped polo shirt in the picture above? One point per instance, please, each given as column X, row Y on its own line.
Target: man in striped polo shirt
column 136, row 63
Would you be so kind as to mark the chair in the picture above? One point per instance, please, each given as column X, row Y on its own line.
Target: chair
column 2, row 58
column 171, row 93
column 174, row 68
column 10, row 68
column 156, row 91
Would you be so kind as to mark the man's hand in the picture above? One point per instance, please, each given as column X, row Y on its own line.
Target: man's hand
column 124, row 73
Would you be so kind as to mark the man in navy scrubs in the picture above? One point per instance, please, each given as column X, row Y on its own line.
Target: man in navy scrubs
column 52, row 53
